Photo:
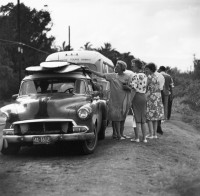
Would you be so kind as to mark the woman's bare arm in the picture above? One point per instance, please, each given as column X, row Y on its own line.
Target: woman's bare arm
column 98, row 73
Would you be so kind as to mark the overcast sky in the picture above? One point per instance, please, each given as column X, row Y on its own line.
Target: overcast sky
column 166, row 32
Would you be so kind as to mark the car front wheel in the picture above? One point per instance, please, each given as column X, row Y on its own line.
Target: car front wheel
column 88, row 146
column 11, row 149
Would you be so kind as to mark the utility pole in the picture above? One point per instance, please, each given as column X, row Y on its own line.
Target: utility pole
column 69, row 38
column 20, row 49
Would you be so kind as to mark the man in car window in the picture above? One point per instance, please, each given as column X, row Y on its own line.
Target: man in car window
column 44, row 86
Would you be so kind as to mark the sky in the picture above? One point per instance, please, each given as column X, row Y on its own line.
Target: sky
column 165, row 32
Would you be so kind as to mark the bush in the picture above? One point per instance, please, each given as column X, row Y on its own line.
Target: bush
column 187, row 87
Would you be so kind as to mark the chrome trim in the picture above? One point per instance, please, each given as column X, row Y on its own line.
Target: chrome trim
column 78, row 126
column 45, row 120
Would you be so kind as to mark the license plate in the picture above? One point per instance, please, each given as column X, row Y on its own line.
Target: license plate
column 41, row 140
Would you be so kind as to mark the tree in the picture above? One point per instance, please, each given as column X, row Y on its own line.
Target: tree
column 34, row 27
column 109, row 52
column 4, row 57
column 6, row 85
column 196, row 68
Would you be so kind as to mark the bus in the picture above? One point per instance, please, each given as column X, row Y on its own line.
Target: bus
column 92, row 59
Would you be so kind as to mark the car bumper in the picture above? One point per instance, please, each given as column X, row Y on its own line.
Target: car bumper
column 54, row 137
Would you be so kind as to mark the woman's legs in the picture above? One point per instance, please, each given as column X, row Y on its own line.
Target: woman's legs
column 144, row 128
column 151, row 130
column 117, row 128
column 114, row 130
column 136, row 130
column 155, row 126
column 122, row 128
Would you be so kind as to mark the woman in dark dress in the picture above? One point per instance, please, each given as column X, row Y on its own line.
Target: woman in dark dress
column 139, row 83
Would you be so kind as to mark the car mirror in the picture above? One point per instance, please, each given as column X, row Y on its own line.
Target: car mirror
column 14, row 97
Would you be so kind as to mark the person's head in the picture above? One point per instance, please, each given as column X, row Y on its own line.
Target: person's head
column 150, row 68
column 120, row 67
column 162, row 68
column 136, row 65
column 94, row 80
column 44, row 85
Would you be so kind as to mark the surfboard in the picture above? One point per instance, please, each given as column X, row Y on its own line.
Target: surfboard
column 53, row 64
column 35, row 69
column 68, row 68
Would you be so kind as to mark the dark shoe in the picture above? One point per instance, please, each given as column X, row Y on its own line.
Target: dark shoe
column 114, row 137
column 159, row 130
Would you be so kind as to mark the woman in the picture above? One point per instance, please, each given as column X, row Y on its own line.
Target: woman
column 139, row 83
column 155, row 110
column 119, row 101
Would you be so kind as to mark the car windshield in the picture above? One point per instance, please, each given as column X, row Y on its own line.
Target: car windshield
column 55, row 85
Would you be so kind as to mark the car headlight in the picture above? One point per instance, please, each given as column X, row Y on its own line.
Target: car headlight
column 84, row 113
column 3, row 117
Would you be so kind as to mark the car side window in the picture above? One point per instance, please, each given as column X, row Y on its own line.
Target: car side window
column 90, row 86
column 80, row 87
column 66, row 87
column 27, row 87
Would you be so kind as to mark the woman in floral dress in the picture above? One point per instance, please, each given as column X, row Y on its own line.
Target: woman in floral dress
column 155, row 110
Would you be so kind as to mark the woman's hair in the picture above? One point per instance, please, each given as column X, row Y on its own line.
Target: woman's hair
column 138, row 63
column 122, row 64
column 151, row 66
column 162, row 68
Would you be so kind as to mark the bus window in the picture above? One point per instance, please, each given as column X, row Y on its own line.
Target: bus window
column 91, row 66
column 105, row 68
column 110, row 69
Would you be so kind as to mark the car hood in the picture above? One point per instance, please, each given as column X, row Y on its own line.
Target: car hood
column 45, row 106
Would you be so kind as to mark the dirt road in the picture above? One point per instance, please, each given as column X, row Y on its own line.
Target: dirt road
column 116, row 168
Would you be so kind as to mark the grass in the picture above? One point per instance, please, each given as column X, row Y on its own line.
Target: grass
column 181, row 179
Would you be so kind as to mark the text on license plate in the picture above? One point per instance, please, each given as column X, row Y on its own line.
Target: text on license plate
column 41, row 140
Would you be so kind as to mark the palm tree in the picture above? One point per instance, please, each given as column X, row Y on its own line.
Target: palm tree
column 87, row 46
column 109, row 52
column 107, row 48
column 65, row 47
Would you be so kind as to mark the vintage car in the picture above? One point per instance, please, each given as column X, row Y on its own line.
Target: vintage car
column 56, row 103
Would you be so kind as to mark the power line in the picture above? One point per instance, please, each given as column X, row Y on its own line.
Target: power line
column 6, row 44
column 12, row 42
column 22, row 44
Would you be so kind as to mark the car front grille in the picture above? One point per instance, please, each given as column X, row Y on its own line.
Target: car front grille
column 41, row 128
